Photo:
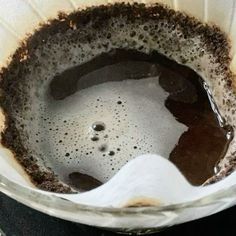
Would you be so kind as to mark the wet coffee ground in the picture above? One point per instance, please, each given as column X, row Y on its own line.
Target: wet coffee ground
column 41, row 90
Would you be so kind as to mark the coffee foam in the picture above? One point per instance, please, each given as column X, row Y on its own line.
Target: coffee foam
column 121, row 111
column 79, row 45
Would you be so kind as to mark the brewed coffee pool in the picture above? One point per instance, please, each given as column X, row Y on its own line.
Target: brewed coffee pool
column 86, row 100
column 124, row 104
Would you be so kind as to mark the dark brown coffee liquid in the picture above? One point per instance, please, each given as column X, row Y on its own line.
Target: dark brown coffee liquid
column 200, row 148
column 83, row 182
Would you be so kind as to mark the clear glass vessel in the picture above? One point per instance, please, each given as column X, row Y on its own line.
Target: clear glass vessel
column 21, row 17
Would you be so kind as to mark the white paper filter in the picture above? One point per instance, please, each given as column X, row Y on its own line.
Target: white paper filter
column 152, row 185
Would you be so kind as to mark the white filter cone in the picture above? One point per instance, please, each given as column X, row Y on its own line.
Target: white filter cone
column 147, row 180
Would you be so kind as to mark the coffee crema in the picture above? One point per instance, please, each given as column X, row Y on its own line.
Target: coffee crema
column 97, row 89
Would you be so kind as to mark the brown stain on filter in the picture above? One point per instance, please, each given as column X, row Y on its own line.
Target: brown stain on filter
column 141, row 202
